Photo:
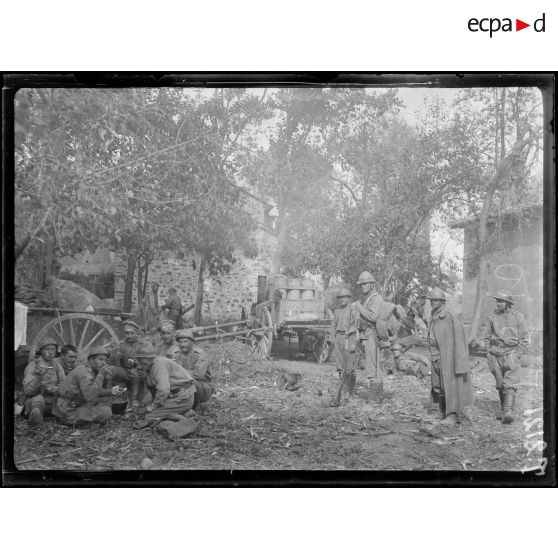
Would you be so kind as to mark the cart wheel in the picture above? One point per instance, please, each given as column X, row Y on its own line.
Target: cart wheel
column 261, row 341
column 81, row 330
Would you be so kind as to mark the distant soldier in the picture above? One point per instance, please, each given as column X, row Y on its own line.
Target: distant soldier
column 506, row 339
column 344, row 327
column 369, row 312
column 66, row 362
column 123, row 368
column 171, row 386
column 173, row 305
column 449, row 353
column 167, row 346
column 82, row 395
column 40, row 383
column 409, row 362
column 194, row 360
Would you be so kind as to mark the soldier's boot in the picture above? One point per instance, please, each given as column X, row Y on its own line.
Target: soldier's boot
column 442, row 405
column 509, row 406
column 351, row 382
column 36, row 415
column 376, row 390
column 499, row 416
column 134, row 392
column 451, row 420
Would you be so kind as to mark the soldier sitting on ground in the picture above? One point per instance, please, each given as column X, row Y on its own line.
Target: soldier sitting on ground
column 40, row 383
column 167, row 346
column 67, row 360
column 410, row 363
column 194, row 360
column 82, row 395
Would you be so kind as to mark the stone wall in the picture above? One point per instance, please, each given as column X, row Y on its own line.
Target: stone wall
column 224, row 297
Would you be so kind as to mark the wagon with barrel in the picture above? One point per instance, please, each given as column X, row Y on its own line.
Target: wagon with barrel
column 285, row 307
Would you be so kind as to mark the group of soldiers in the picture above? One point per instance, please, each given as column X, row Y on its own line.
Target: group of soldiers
column 374, row 324
column 165, row 381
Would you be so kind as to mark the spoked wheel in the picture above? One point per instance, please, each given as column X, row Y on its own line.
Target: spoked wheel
column 81, row 330
column 323, row 349
column 261, row 340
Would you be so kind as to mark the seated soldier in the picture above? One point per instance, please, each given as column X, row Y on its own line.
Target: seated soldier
column 82, row 397
column 167, row 345
column 172, row 387
column 40, row 383
column 123, row 368
column 409, row 362
column 66, row 362
column 194, row 359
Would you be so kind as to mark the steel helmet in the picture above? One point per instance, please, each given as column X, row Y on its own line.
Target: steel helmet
column 98, row 350
column 146, row 350
column 365, row 277
column 184, row 334
column 47, row 341
column 344, row 292
column 131, row 323
column 437, row 293
column 504, row 294
column 396, row 347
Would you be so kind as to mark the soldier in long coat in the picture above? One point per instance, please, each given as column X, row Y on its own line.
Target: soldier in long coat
column 449, row 353
column 506, row 339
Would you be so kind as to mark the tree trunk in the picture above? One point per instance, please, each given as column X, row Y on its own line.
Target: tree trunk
column 281, row 236
column 199, row 292
column 129, row 286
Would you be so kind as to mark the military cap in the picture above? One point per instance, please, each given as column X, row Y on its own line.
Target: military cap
column 396, row 347
column 365, row 277
column 185, row 334
column 505, row 295
column 167, row 325
column 343, row 292
column 47, row 341
column 437, row 294
column 98, row 350
column 146, row 350
column 132, row 324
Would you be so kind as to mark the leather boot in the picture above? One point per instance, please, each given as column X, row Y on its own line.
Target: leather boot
column 36, row 416
column 442, row 404
column 352, row 381
column 499, row 415
column 509, row 406
column 376, row 391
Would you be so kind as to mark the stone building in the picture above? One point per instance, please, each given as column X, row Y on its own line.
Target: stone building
column 515, row 262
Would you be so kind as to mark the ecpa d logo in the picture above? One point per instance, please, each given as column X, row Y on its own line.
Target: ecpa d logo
column 492, row 25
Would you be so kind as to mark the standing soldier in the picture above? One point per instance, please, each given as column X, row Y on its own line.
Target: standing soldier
column 506, row 339
column 122, row 365
column 173, row 305
column 194, row 360
column 40, row 383
column 82, row 395
column 369, row 312
column 344, row 334
column 451, row 378
column 167, row 345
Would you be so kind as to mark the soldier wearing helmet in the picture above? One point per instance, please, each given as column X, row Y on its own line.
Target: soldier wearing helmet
column 449, row 353
column 409, row 362
column 369, row 311
column 40, row 383
column 344, row 334
column 506, row 339
column 83, row 395
column 194, row 360
column 167, row 345
column 171, row 386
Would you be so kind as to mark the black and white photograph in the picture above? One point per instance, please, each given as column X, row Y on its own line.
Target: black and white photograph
column 332, row 277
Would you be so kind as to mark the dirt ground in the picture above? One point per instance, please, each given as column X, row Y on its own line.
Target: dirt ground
column 253, row 423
